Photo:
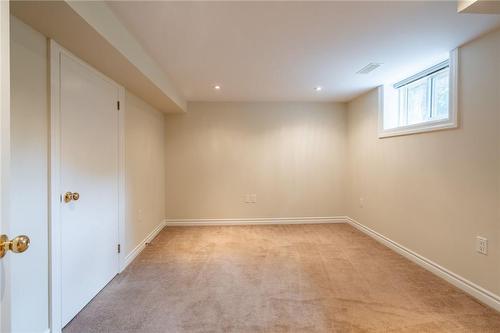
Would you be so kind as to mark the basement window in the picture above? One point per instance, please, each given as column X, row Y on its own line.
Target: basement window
column 422, row 102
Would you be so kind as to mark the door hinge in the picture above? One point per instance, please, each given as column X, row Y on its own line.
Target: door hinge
column 119, row 248
column 118, row 105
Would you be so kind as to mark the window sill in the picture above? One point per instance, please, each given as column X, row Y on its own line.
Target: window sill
column 418, row 128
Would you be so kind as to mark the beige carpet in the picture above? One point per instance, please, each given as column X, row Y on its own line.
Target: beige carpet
column 291, row 278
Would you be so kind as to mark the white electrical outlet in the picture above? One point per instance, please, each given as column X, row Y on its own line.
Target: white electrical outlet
column 482, row 245
column 250, row 198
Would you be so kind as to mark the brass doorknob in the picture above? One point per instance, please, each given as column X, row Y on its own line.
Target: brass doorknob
column 17, row 245
column 68, row 196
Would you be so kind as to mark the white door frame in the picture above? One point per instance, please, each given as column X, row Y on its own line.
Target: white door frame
column 5, row 302
column 55, row 295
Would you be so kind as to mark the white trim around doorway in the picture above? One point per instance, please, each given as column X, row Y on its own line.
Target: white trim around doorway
column 55, row 297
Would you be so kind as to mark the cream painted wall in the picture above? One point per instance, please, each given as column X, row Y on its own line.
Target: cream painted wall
column 29, row 172
column 145, row 170
column 432, row 192
column 435, row 192
column 291, row 155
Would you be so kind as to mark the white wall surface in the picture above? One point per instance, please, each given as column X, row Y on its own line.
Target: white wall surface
column 291, row 155
column 144, row 169
column 435, row 192
column 29, row 172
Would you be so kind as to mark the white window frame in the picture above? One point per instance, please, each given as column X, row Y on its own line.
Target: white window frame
column 389, row 95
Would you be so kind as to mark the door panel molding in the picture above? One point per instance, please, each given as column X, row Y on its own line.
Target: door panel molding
column 55, row 232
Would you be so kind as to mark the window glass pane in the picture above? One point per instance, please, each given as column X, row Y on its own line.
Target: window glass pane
column 440, row 95
column 418, row 110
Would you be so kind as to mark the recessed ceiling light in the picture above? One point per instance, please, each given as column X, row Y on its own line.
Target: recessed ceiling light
column 318, row 88
column 217, row 87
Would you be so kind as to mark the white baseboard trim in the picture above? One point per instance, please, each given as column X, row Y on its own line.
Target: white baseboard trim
column 485, row 296
column 255, row 221
column 138, row 249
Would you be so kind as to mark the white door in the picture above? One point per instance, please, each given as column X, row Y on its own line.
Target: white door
column 89, row 168
column 23, row 277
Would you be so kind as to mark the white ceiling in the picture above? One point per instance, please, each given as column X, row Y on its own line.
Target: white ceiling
column 263, row 51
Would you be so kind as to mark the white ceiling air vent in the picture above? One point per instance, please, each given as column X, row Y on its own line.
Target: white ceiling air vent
column 369, row 68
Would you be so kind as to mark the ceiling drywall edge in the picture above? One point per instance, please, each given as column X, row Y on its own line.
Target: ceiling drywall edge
column 102, row 47
column 102, row 19
column 478, row 7
column 463, row 4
